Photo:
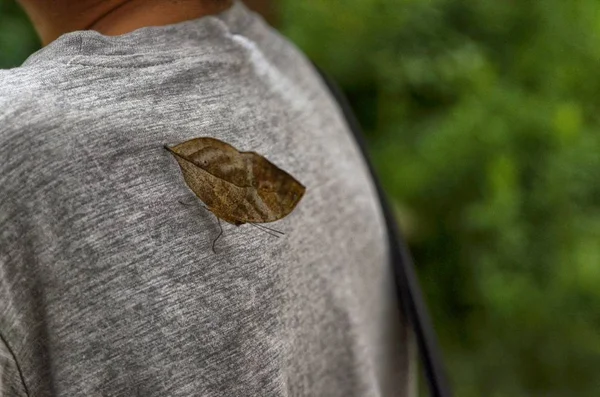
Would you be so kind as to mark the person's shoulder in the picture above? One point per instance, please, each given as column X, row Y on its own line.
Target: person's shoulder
column 14, row 82
column 26, row 95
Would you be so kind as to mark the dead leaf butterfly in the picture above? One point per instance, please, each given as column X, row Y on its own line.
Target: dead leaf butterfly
column 238, row 187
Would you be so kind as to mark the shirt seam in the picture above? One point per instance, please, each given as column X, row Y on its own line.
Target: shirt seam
column 249, row 20
column 91, row 65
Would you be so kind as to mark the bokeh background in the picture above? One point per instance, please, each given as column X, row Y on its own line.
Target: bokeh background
column 482, row 119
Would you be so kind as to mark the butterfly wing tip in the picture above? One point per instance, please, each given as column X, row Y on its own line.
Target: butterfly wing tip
column 168, row 148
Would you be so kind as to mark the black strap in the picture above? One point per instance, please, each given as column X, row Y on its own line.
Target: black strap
column 407, row 285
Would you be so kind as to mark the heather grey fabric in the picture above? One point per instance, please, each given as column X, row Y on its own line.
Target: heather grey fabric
column 108, row 285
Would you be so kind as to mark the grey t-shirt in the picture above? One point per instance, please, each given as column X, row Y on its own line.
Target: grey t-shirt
column 108, row 284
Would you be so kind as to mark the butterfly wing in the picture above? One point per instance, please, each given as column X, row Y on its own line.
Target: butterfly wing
column 237, row 187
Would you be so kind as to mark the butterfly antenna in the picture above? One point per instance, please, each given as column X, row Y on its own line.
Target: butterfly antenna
column 270, row 229
column 219, row 235
column 267, row 230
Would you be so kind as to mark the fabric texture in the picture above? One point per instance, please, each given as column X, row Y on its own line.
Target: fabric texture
column 108, row 284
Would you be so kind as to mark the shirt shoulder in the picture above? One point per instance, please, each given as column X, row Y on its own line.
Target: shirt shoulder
column 15, row 85
column 27, row 95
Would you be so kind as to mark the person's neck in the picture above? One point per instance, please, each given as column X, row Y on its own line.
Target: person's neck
column 116, row 17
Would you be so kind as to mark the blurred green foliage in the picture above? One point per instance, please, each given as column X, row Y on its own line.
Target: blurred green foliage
column 483, row 123
column 17, row 38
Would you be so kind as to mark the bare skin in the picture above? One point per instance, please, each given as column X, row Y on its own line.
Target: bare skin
column 52, row 18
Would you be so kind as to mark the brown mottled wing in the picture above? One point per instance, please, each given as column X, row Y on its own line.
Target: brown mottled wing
column 217, row 158
column 274, row 195
column 237, row 187
column 220, row 197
